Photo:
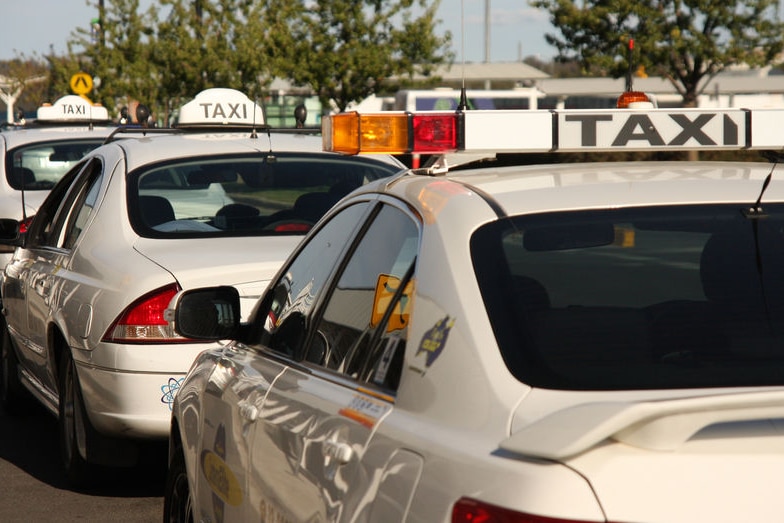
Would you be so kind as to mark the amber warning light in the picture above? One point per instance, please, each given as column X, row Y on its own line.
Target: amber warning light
column 391, row 133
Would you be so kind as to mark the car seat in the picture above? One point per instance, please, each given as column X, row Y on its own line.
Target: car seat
column 155, row 210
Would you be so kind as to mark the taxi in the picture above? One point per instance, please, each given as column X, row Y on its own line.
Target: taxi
column 36, row 154
column 561, row 342
column 220, row 199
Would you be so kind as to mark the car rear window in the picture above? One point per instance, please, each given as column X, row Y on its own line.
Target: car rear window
column 644, row 298
column 239, row 196
column 38, row 166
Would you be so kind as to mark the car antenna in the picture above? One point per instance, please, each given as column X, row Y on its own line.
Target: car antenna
column 756, row 211
column 24, row 205
column 253, row 133
column 463, row 104
column 630, row 71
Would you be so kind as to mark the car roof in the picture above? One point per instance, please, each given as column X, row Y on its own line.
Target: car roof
column 143, row 150
column 23, row 136
column 562, row 187
column 458, row 139
column 70, row 116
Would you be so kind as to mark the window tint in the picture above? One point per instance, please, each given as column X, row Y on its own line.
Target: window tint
column 39, row 166
column 75, row 207
column 285, row 193
column 50, row 219
column 362, row 332
column 668, row 297
column 84, row 203
column 295, row 293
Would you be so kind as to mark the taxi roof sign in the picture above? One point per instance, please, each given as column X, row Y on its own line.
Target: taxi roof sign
column 72, row 109
column 576, row 130
column 220, row 107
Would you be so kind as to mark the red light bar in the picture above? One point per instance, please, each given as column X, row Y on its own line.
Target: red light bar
column 434, row 132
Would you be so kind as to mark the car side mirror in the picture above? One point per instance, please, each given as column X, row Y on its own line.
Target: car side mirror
column 10, row 232
column 211, row 313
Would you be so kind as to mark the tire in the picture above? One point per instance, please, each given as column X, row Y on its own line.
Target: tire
column 73, row 424
column 177, row 501
column 13, row 396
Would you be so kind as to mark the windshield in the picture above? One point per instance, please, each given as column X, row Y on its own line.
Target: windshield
column 665, row 297
column 38, row 166
column 239, row 196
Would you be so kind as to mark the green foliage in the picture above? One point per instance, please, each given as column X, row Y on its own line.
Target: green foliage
column 341, row 49
column 345, row 49
column 687, row 41
column 116, row 55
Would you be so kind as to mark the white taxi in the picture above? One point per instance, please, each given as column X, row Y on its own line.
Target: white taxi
column 564, row 342
column 37, row 154
column 220, row 199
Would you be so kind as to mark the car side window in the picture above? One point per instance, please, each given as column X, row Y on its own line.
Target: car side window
column 362, row 331
column 84, row 203
column 294, row 294
column 42, row 229
column 75, row 207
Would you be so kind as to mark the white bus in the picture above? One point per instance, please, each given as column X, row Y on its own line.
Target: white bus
column 447, row 99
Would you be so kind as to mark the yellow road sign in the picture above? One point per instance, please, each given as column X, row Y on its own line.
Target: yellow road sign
column 81, row 83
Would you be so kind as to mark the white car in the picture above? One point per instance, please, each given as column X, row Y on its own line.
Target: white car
column 37, row 154
column 570, row 342
column 216, row 200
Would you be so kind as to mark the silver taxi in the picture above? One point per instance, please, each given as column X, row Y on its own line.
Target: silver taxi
column 219, row 199
column 36, row 154
column 570, row 342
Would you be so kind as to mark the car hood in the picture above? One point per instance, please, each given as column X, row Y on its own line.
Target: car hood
column 689, row 456
column 247, row 263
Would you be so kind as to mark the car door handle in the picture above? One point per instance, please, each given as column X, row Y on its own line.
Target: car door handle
column 248, row 411
column 339, row 451
column 41, row 285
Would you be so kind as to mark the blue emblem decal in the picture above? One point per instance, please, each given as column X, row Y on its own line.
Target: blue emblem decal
column 434, row 340
column 170, row 390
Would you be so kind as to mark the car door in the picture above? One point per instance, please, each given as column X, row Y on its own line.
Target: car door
column 312, row 453
column 44, row 260
column 233, row 399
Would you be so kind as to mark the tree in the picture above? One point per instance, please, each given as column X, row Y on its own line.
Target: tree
column 345, row 49
column 115, row 51
column 686, row 41
column 22, row 85
column 341, row 49
column 218, row 43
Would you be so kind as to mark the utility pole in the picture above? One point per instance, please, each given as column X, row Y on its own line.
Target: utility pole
column 487, row 31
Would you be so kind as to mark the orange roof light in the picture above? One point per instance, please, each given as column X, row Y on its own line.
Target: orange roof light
column 629, row 99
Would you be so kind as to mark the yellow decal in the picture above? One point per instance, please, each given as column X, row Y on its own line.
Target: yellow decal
column 220, row 478
column 386, row 287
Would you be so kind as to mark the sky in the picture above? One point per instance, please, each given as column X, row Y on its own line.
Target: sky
column 516, row 29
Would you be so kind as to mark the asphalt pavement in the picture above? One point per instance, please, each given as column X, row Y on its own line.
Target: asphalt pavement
column 34, row 488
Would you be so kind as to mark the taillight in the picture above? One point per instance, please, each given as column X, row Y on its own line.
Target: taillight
column 24, row 225
column 468, row 510
column 143, row 321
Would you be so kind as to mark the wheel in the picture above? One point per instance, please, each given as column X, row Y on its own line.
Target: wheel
column 177, row 504
column 12, row 394
column 72, row 424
